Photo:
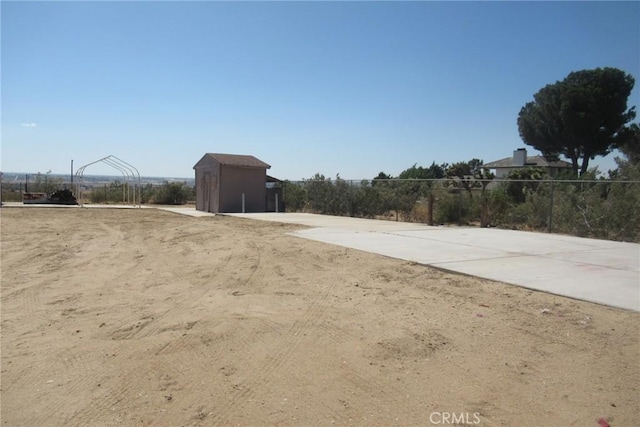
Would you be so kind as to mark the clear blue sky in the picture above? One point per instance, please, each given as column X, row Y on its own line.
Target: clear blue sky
column 353, row 88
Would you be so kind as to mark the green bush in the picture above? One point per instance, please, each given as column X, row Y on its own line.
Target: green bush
column 172, row 193
column 295, row 196
column 608, row 209
column 453, row 206
column 116, row 192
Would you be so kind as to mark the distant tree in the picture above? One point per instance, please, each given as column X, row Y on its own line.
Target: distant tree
column 414, row 172
column 629, row 164
column 580, row 117
column 383, row 176
column 437, row 171
column 418, row 172
column 172, row 193
column 459, row 170
column 629, row 143
column 470, row 174
column 517, row 188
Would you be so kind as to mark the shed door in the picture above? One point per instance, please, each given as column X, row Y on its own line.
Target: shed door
column 206, row 190
column 214, row 195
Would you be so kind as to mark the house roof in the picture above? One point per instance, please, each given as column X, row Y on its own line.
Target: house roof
column 532, row 161
column 237, row 160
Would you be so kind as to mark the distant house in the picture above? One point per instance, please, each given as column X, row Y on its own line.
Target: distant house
column 502, row 168
column 231, row 183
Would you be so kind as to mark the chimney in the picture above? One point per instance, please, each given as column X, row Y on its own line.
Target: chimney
column 520, row 157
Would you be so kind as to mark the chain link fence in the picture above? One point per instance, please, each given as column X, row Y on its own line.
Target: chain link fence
column 604, row 209
column 114, row 192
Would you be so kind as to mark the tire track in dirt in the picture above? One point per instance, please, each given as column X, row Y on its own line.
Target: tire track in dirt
column 185, row 350
column 86, row 365
column 109, row 385
column 313, row 321
column 248, row 330
column 191, row 344
column 90, row 369
column 257, row 271
column 262, row 375
column 29, row 301
column 82, row 381
column 193, row 292
column 254, row 279
column 105, row 401
column 153, row 324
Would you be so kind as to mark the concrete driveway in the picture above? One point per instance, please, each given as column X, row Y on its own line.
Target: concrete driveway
column 593, row 270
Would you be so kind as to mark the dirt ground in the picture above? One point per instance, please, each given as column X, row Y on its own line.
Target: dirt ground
column 143, row 317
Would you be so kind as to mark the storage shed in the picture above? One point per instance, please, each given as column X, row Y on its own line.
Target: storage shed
column 230, row 183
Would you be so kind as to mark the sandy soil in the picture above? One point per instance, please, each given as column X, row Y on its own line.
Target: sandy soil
column 148, row 318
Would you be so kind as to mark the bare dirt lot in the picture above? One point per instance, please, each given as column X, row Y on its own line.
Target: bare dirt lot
column 147, row 318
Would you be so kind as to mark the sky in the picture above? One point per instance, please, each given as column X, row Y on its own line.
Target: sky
column 348, row 88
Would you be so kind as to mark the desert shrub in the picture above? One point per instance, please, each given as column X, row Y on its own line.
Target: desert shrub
column 522, row 182
column 115, row 192
column 340, row 200
column 146, row 193
column 370, row 199
column 498, row 205
column 420, row 212
column 407, row 193
column 11, row 192
column 607, row 209
column 452, row 205
column 319, row 192
column 172, row 193
column 295, row 196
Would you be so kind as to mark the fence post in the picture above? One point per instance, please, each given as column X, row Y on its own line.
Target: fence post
column 351, row 198
column 242, row 202
column 430, row 208
column 550, row 220
column 459, row 206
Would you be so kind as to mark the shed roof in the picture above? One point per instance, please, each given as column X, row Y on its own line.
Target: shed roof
column 237, row 160
column 532, row 161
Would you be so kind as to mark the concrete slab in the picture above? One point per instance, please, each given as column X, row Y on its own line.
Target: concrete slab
column 190, row 211
column 35, row 205
column 600, row 271
column 609, row 286
column 85, row 205
column 182, row 210
column 339, row 222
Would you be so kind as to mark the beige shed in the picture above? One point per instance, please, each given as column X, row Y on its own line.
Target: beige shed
column 230, row 183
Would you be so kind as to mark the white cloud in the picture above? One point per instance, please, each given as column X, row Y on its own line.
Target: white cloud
column 28, row 125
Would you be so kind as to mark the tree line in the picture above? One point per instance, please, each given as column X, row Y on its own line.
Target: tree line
column 467, row 193
column 168, row 193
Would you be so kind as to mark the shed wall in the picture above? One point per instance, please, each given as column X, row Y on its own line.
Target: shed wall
column 208, row 187
column 237, row 180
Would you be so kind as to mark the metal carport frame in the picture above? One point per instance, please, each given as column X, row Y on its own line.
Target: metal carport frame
column 129, row 173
